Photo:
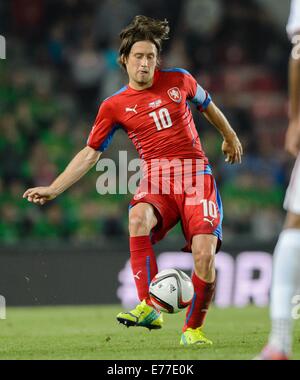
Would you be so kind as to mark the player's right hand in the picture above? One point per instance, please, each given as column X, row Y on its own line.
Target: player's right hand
column 40, row 195
column 292, row 138
column 232, row 149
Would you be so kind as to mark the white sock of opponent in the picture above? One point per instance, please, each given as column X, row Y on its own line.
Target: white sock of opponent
column 285, row 285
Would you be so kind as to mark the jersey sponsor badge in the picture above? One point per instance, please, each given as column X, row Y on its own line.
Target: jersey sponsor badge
column 155, row 103
column 175, row 94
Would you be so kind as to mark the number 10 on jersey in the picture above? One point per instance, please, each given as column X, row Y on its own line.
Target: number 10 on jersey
column 162, row 119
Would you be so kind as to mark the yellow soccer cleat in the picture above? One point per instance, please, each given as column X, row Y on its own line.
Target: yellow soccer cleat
column 143, row 315
column 194, row 336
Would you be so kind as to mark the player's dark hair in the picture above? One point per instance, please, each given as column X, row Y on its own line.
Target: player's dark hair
column 142, row 28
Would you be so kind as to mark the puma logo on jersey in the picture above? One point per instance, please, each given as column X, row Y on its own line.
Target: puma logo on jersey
column 209, row 221
column 128, row 109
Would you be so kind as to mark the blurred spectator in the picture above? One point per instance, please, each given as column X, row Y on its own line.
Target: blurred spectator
column 111, row 16
column 87, row 66
column 57, row 45
column 27, row 18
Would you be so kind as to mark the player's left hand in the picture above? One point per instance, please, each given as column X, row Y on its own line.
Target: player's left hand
column 232, row 149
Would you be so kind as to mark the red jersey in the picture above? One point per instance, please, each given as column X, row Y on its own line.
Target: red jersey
column 158, row 119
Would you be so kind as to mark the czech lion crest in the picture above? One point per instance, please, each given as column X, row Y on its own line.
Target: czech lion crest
column 175, row 94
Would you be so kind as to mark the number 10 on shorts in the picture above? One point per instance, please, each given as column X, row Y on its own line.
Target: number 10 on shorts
column 209, row 209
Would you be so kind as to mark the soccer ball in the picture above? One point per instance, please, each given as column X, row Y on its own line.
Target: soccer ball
column 171, row 291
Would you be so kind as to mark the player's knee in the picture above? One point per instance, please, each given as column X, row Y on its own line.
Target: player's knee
column 138, row 224
column 141, row 220
column 292, row 221
column 203, row 258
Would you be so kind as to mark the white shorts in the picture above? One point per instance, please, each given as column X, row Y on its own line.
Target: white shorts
column 292, row 196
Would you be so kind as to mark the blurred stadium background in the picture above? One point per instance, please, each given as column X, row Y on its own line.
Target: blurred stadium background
column 60, row 63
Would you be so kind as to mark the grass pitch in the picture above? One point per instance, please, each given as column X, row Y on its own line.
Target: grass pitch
column 92, row 332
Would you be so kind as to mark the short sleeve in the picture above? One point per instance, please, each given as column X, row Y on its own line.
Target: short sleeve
column 196, row 94
column 103, row 129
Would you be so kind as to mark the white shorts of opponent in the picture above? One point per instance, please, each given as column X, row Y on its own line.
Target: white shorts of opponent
column 292, row 196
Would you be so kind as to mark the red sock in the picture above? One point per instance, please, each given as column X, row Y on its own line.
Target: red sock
column 196, row 312
column 143, row 265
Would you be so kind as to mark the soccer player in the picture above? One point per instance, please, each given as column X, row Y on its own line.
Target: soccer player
column 286, row 265
column 154, row 112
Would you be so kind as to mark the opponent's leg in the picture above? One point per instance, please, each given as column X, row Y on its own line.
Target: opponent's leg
column 285, row 284
column 203, row 249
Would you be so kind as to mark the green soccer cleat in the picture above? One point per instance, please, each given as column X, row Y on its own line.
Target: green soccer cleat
column 194, row 336
column 143, row 315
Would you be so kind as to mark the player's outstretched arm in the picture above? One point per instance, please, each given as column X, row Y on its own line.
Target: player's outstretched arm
column 292, row 138
column 80, row 165
column 231, row 147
